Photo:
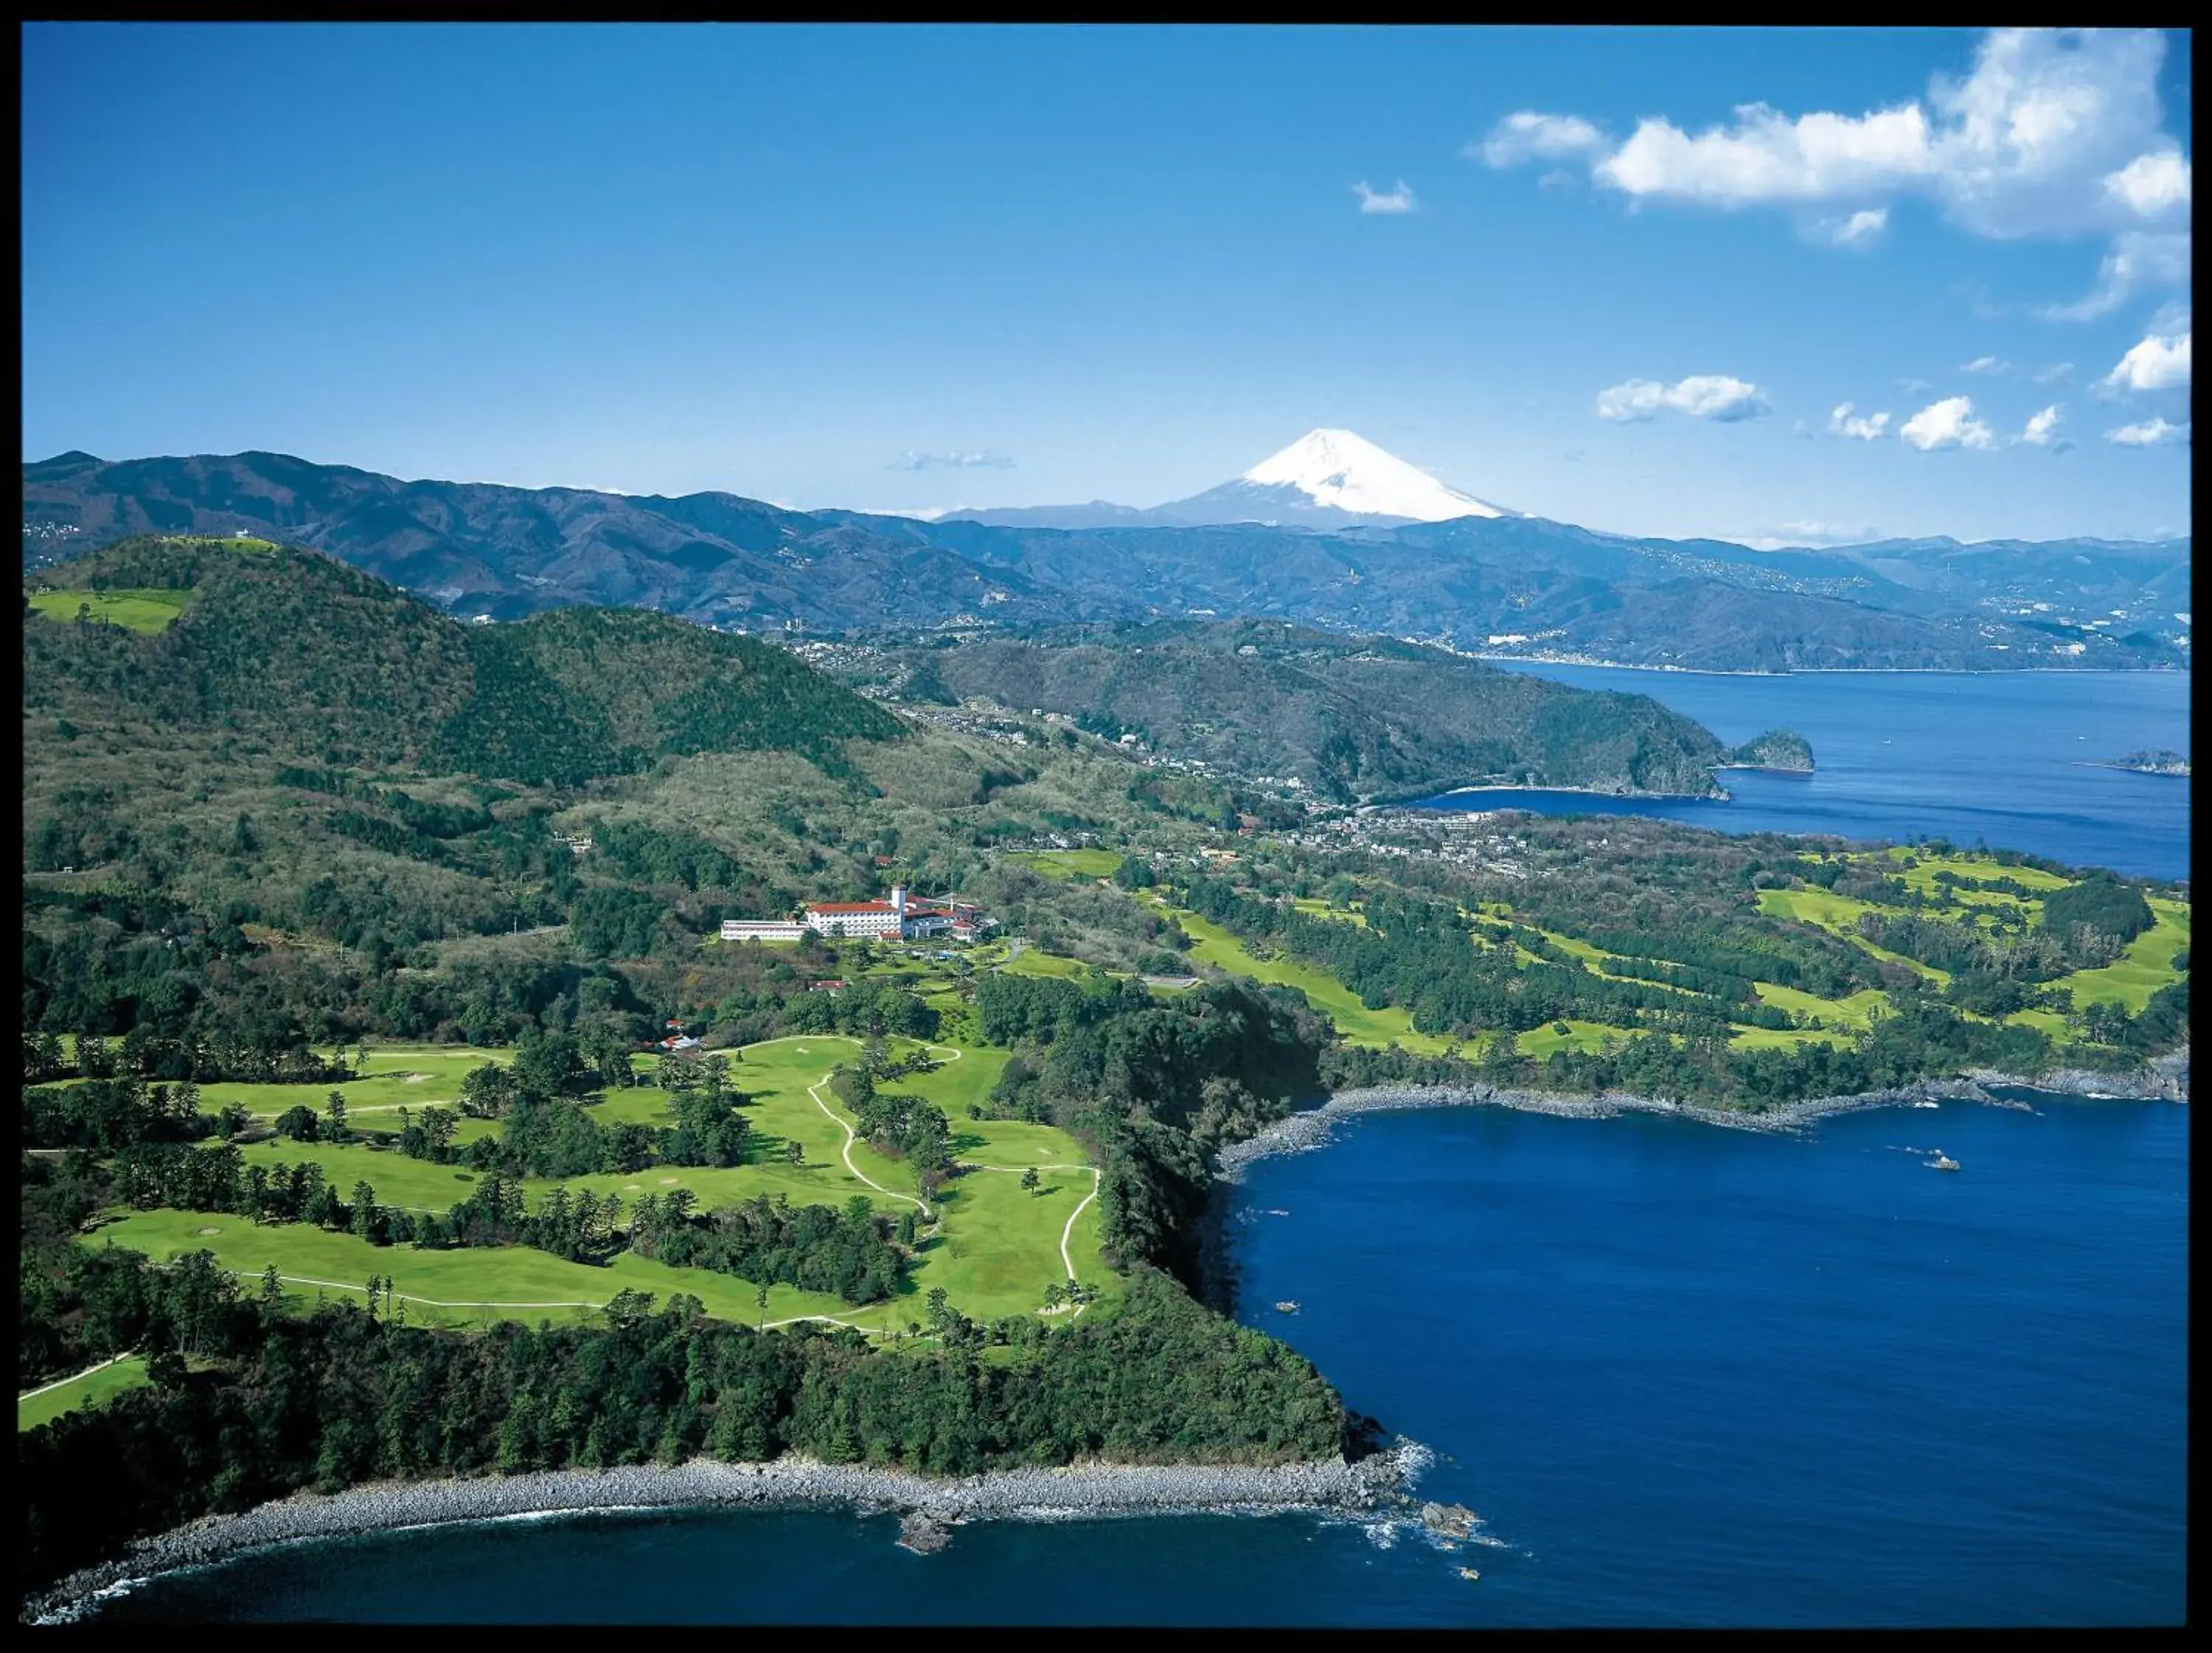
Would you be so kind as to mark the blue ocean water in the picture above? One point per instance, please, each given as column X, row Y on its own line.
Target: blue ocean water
column 2001, row 758
column 1688, row 1376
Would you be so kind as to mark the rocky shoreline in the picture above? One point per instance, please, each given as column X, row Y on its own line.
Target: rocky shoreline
column 931, row 1505
column 2166, row 1078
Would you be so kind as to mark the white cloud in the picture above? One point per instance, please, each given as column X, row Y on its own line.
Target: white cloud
column 1866, row 429
column 2137, row 260
column 1986, row 364
column 1398, row 200
column 1916, row 386
column 2051, row 132
column 1701, row 396
column 1862, row 228
column 1947, row 423
column 1828, row 533
column 2159, row 363
column 2029, row 138
column 951, row 462
column 1766, row 158
column 1528, row 136
column 2152, row 186
column 2059, row 372
column 2042, row 431
column 2152, row 432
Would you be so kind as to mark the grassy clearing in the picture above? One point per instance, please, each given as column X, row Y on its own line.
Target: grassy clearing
column 1031, row 961
column 450, row 1288
column 987, row 1255
column 1211, row 945
column 1315, row 906
column 1922, row 876
column 1070, row 863
column 1839, row 916
column 1856, row 1012
column 87, row 1390
column 1541, row 1042
column 414, row 1184
column 2147, row 966
column 396, row 1076
column 140, row 610
column 1774, row 1038
column 995, row 1251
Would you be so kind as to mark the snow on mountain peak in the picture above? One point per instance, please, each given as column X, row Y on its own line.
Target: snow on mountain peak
column 1345, row 471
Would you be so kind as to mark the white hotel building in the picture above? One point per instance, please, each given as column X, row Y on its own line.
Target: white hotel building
column 896, row 917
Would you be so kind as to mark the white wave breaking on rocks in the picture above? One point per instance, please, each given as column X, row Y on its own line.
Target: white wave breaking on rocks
column 1378, row 1483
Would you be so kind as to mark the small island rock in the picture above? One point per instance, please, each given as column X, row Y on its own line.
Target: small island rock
column 923, row 1533
column 1784, row 750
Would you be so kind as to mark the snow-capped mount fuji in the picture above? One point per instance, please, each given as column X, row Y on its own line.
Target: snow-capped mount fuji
column 1331, row 476
column 1325, row 479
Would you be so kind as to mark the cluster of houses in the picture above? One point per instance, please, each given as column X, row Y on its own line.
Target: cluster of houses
column 898, row 917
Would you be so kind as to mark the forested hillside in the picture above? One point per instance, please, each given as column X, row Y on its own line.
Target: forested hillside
column 306, row 656
column 1351, row 718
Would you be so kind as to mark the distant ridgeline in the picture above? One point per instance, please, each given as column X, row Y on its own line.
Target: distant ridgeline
column 1510, row 585
column 1351, row 718
column 322, row 660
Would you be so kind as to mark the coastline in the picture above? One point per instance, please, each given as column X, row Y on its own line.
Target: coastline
column 1374, row 1483
column 2164, row 1079
column 1717, row 796
column 1828, row 671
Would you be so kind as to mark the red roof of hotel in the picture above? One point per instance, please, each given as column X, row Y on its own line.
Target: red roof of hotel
column 850, row 907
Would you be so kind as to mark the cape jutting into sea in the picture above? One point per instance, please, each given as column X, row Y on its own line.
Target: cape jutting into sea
column 1685, row 1375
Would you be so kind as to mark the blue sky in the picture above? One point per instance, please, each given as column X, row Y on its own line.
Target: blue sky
column 907, row 269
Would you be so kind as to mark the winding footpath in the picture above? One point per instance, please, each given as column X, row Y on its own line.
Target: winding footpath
column 76, row 1377
column 851, row 1136
column 1097, row 1179
column 952, row 1053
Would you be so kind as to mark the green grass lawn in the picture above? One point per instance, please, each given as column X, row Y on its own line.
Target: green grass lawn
column 1211, row 945
column 1541, row 1042
column 1839, row 916
column 413, row 1184
column 1923, row 876
column 396, row 1076
column 988, row 1257
column 89, row 1391
column 995, row 1249
column 1069, row 863
column 1856, row 1012
column 1775, row 1038
column 1315, row 906
column 450, row 1288
column 1031, row 962
column 140, row 611
column 2147, row 967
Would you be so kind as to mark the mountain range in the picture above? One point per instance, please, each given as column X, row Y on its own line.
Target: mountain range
column 1331, row 532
